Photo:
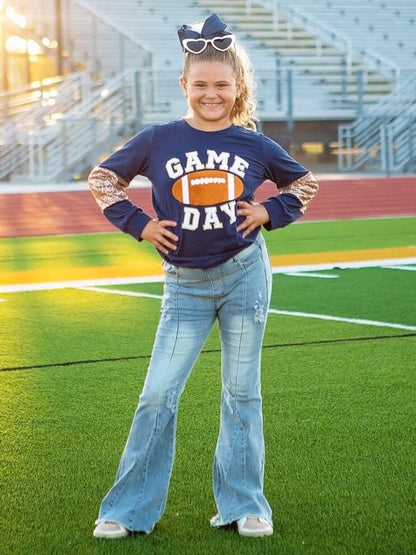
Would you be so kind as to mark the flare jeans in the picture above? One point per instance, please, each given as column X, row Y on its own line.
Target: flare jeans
column 237, row 293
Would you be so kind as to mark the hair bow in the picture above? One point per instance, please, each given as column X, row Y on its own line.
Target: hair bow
column 212, row 32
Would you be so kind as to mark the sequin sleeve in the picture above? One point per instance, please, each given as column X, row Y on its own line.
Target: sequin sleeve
column 304, row 189
column 108, row 190
column 107, row 187
column 291, row 202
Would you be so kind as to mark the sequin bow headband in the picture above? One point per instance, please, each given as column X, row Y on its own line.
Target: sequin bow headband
column 213, row 32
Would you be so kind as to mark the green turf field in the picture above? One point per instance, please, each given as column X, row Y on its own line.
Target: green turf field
column 339, row 379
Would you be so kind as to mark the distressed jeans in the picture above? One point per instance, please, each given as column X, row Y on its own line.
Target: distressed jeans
column 236, row 292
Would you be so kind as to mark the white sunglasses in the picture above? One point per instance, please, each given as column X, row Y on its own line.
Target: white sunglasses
column 196, row 46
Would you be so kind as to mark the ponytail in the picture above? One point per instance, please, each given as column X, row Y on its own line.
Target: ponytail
column 245, row 105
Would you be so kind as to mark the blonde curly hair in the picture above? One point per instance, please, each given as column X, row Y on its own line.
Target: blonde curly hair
column 243, row 112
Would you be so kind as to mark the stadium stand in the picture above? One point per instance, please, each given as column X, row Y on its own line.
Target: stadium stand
column 381, row 36
column 380, row 31
column 321, row 66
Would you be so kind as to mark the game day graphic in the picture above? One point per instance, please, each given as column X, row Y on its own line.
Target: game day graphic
column 215, row 181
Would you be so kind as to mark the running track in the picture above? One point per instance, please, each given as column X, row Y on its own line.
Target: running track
column 69, row 212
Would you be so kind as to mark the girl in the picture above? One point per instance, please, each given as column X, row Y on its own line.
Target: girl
column 204, row 171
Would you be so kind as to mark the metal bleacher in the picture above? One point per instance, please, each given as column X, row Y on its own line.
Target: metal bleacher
column 55, row 129
column 380, row 31
column 328, row 78
column 382, row 34
column 345, row 61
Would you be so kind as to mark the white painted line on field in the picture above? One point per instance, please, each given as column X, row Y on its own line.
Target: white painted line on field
column 271, row 310
column 23, row 287
column 409, row 268
column 311, row 275
column 344, row 265
column 341, row 319
column 119, row 292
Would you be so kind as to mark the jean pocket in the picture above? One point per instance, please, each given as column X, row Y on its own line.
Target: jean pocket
column 169, row 268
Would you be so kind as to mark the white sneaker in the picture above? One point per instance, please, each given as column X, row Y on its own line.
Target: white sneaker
column 110, row 530
column 254, row 527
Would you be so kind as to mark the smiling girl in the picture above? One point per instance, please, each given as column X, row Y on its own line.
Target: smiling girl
column 204, row 170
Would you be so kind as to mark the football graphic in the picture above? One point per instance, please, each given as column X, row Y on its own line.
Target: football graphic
column 207, row 187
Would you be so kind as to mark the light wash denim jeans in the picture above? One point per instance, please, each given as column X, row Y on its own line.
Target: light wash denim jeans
column 236, row 292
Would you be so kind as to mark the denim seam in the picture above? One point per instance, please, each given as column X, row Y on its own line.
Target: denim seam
column 178, row 317
column 243, row 318
column 241, row 427
column 156, row 426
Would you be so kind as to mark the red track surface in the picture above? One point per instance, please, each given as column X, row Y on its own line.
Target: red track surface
column 70, row 212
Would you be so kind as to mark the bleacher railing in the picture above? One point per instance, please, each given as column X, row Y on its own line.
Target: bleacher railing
column 64, row 143
column 35, row 106
column 82, row 137
column 384, row 136
column 38, row 100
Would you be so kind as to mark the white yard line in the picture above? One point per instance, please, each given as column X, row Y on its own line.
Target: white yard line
column 344, row 265
column 23, row 287
column 341, row 319
column 120, row 292
column 91, row 285
column 308, row 268
column 311, row 275
column 271, row 310
column 408, row 268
